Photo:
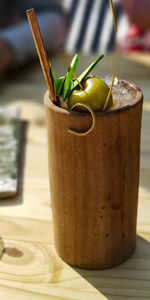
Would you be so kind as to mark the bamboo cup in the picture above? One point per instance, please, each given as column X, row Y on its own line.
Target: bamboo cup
column 94, row 183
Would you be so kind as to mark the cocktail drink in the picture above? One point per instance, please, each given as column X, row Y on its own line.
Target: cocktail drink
column 94, row 179
column 93, row 169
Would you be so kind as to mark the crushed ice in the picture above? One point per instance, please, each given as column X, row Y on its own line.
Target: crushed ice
column 123, row 93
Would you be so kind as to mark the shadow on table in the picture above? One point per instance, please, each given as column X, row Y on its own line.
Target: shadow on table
column 18, row 198
column 126, row 280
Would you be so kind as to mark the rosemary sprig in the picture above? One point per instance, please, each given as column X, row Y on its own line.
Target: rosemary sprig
column 68, row 83
column 57, row 82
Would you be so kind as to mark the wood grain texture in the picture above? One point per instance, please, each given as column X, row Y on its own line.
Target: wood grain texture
column 39, row 273
column 26, row 221
column 94, row 184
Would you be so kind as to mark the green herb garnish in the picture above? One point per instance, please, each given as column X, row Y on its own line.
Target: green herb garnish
column 64, row 86
column 88, row 70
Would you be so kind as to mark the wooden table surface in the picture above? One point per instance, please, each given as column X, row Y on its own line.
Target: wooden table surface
column 29, row 266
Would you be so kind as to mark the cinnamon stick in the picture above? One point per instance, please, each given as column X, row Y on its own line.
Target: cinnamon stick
column 41, row 51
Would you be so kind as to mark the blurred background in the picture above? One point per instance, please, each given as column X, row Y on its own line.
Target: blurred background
column 91, row 26
column 82, row 26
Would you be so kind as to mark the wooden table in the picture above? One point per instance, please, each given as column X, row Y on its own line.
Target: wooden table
column 29, row 266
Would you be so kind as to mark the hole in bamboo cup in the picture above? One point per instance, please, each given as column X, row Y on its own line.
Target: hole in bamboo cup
column 91, row 111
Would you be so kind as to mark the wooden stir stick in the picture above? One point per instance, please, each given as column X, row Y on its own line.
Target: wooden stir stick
column 114, row 17
column 41, row 52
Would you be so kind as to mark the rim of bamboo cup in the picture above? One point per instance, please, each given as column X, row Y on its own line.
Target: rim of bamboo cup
column 58, row 109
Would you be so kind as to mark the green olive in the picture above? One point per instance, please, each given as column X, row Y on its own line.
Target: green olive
column 95, row 93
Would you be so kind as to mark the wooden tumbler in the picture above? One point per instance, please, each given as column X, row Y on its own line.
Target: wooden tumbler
column 94, row 183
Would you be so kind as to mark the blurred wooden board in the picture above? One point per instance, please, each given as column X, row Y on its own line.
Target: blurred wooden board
column 29, row 266
column 10, row 127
